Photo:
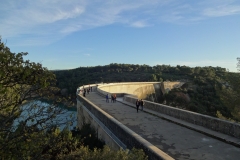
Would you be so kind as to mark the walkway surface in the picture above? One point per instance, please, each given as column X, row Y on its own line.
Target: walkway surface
column 177, row 141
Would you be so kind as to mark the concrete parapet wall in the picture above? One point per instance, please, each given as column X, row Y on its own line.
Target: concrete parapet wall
column 124, row 134
column 222, row 126
column 142, row 90
column 151, row 91
column 104, row 93
column 103, row 133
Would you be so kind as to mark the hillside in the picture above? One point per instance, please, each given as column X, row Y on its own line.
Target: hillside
column 208, row 90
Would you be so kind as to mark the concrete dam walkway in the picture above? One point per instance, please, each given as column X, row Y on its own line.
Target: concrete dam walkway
column 177, row 141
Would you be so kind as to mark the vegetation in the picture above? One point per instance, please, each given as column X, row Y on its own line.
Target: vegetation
column 29, row 129
column 208, row 90
column 83, row 153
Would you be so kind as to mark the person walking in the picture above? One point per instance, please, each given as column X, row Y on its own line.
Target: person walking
column 88, row 91
column 137, row 104
column 107, row 100
column 114, row 97
column 141, row 104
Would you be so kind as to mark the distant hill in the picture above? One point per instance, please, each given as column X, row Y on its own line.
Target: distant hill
column 208, row 90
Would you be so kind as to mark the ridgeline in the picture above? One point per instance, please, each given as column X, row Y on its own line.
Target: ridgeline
column 208, row 90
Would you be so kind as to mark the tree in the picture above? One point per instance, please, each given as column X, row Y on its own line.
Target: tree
column 106, row 153
column 23, row 118
column 29, row 128
column 153, row 78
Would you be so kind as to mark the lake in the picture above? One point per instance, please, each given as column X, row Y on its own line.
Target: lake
column 35, row 111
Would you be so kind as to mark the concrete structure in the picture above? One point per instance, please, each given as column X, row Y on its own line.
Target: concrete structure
column 167, row 86
column 215, row 124
column 151, row 91
column 133, row 91
column 118, row 135
column 115, row 134
column 85, row 116
column 144, row 90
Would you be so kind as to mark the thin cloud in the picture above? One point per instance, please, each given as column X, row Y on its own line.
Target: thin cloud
column 71, row 28
column 87, row 54
column 65, row 17
column 37, row 15
column 140, row 24
column 187, row 13
column 224, row 10
column 49, row 21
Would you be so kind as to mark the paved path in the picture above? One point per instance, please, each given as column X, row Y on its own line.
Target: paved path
column 177, row 141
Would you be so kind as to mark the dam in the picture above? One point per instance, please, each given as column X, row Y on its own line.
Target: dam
column 163, row 132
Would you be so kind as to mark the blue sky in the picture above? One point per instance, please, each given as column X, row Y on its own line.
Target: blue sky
column 66, row 34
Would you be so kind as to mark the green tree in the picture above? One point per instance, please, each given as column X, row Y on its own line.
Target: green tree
column 85, row 153
column 28, row 127
column 23, row 118
column 154, row 78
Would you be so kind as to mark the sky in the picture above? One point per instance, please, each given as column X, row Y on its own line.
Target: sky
column 67, row 34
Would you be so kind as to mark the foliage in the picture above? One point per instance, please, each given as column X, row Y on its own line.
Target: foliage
column 71, row 79
column 229, row 94
column 84, row 153
column 29, row 126
column 88, row 137
column 208, row 90
column 23, row 119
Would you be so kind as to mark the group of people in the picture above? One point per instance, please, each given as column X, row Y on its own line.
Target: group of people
column 139, row 103
column 113, row 98
column 86, row 90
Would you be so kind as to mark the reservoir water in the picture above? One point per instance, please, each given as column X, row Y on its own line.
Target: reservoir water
column 36, row 111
